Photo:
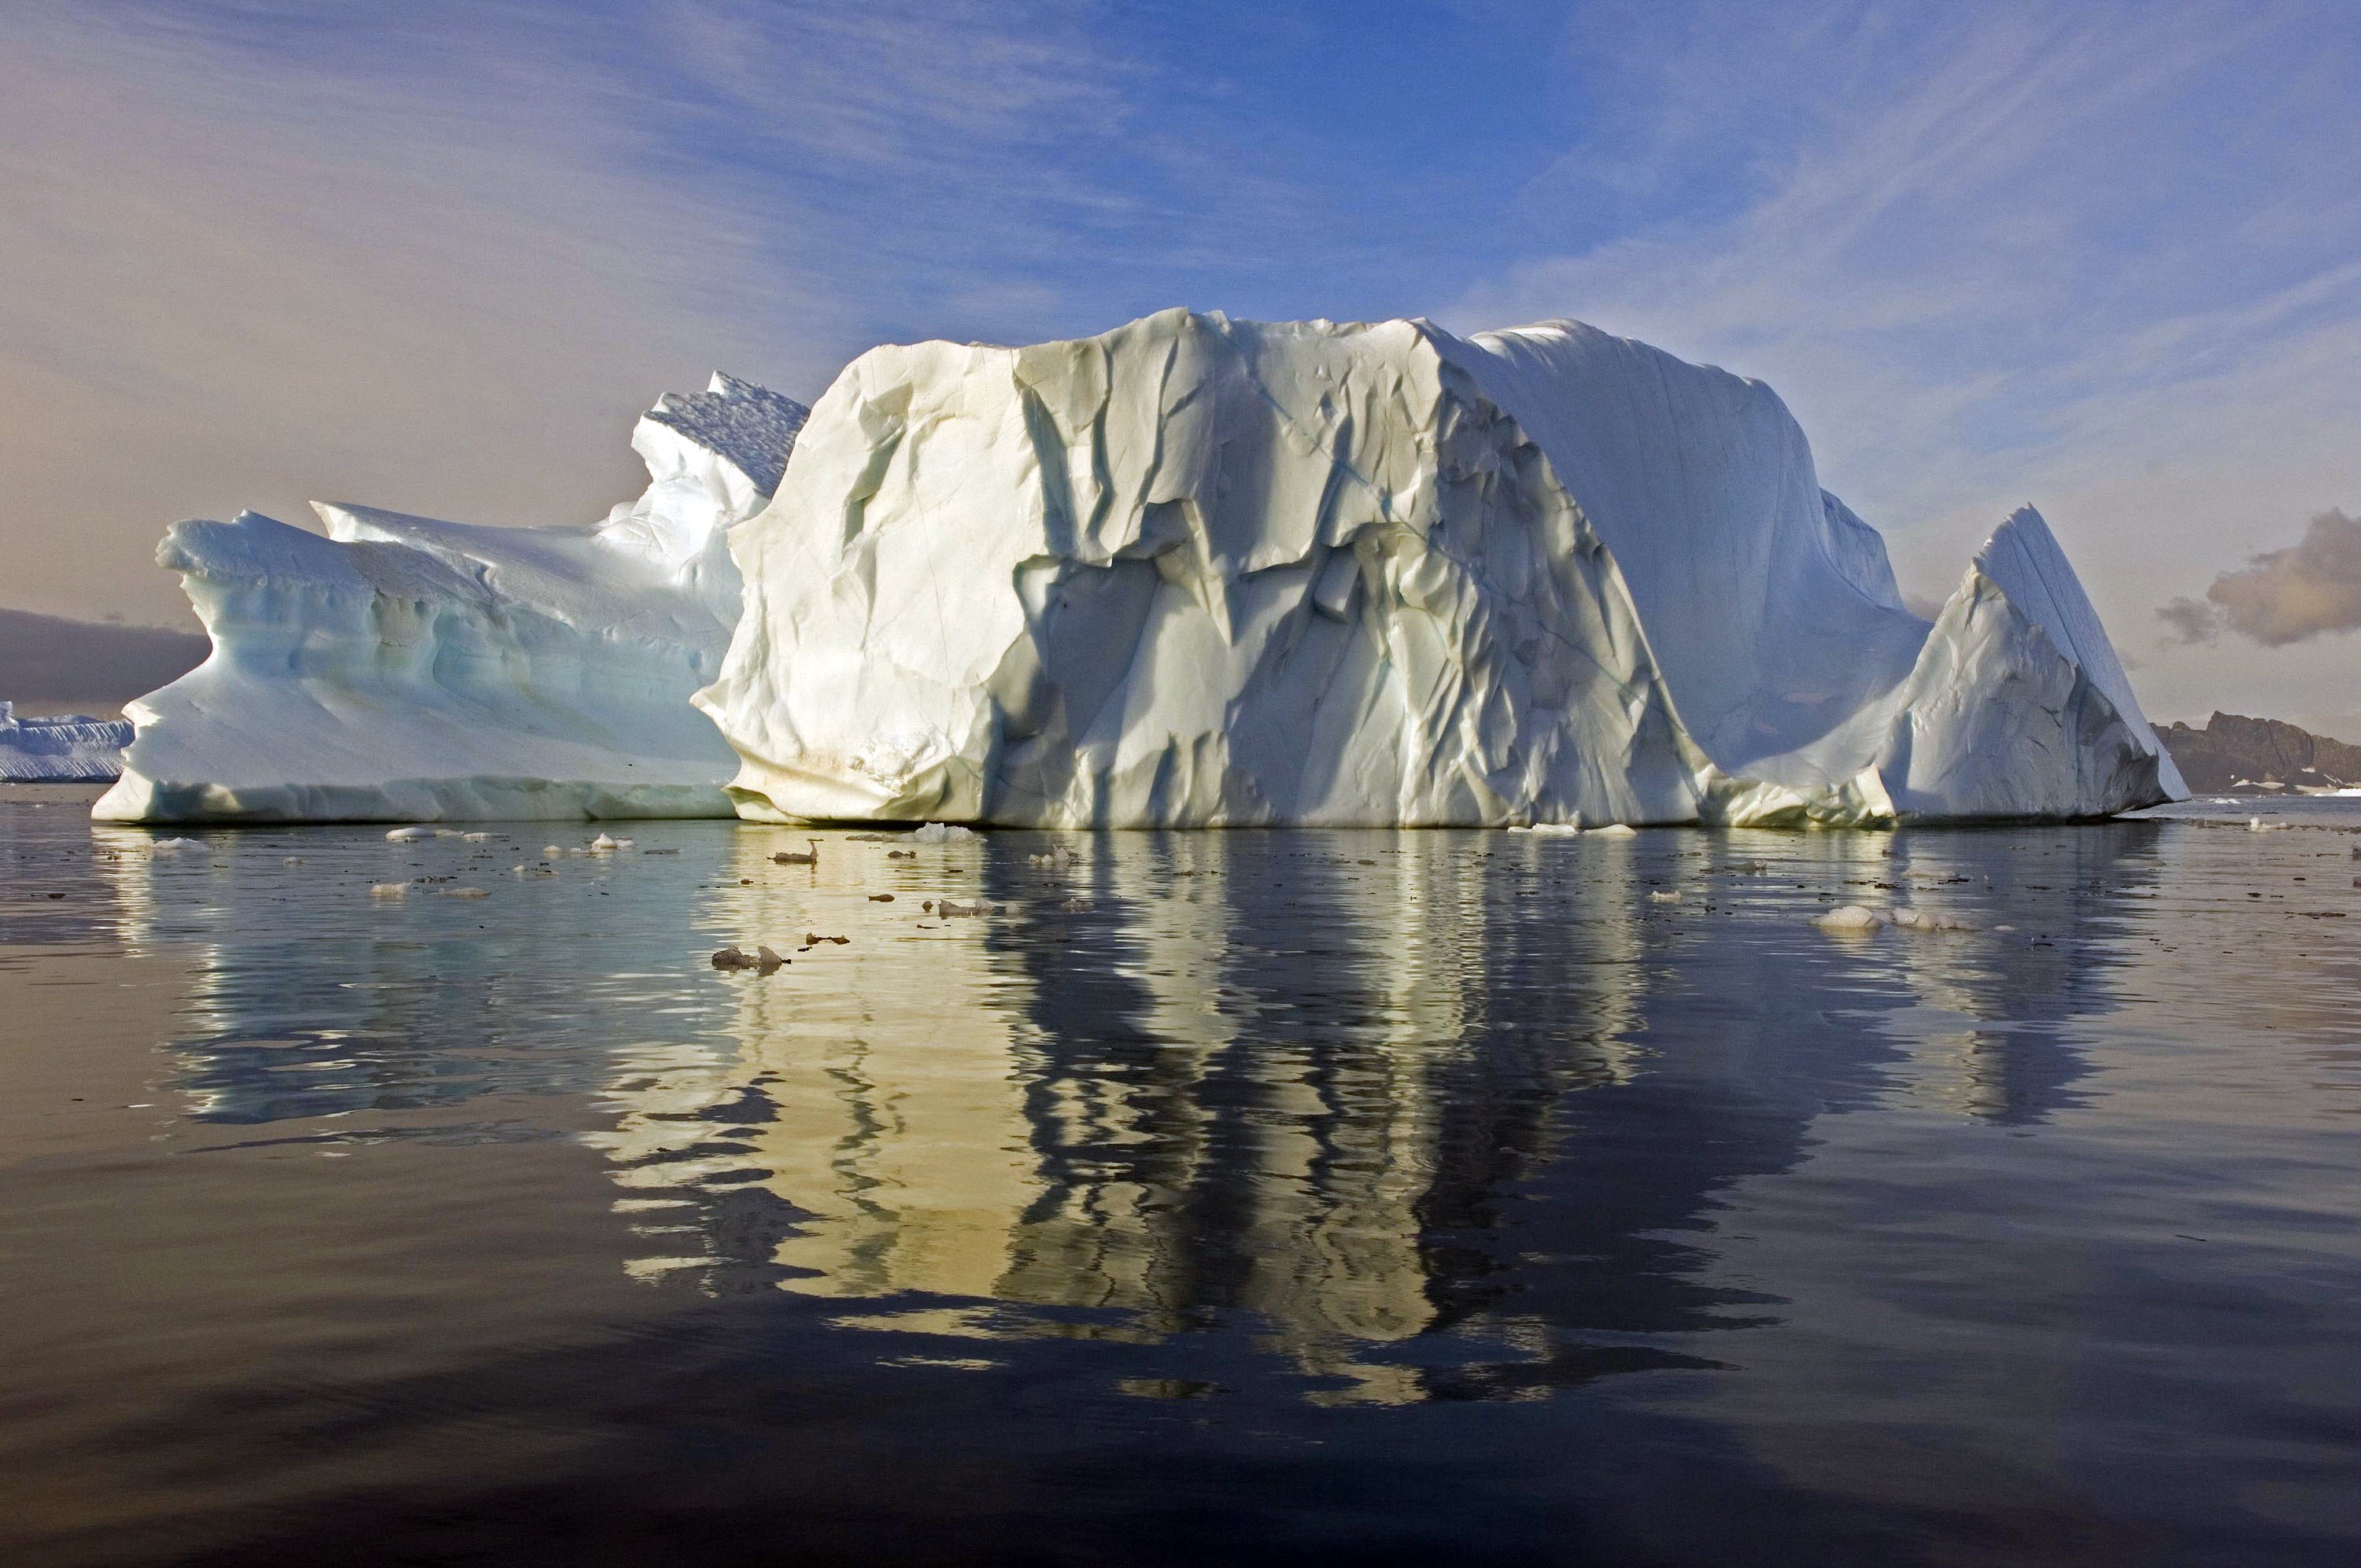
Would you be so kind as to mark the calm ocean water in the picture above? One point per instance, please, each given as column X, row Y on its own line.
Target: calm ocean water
column 1238, row 1198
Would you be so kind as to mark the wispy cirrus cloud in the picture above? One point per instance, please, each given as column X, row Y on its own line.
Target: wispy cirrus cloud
column 2099, row 256
column 438, row 258
column 2095, row 257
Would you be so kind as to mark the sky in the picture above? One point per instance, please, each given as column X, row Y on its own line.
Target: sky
column 2103, row 258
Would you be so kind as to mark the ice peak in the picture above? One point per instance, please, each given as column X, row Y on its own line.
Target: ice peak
column 749, row 426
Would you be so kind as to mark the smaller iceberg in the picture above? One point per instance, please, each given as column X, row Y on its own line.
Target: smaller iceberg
column 407, row 669
column 71, row 748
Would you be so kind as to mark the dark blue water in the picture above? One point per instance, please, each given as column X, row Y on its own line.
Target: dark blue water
column 1234, row 1198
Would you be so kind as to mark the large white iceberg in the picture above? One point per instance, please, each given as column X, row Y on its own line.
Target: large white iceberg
column 403, row 668
column 1200, row 572
column 73, row 748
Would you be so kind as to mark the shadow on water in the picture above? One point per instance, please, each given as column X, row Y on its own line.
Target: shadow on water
column 1186, row 1208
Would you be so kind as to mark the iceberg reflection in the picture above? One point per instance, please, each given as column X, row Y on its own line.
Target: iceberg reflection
column 1401, row 1115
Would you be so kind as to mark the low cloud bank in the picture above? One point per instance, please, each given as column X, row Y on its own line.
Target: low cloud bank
column 45, row 660
column 2282, row 596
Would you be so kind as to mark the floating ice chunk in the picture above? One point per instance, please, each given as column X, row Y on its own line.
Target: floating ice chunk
column 1849, row 919
column 941, row 833
column 174, row 846
column 1616, row 830
column 953, row 906
column 1927, row 921
column 389, row 890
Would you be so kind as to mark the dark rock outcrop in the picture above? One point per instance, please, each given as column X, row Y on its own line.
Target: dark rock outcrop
column 2237, row 753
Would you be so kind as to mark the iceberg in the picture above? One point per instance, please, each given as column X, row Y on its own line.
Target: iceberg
column 407, row 669
column 73, row 748
column 1200, row 572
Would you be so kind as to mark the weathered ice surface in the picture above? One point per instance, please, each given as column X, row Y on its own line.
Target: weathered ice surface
column 1197, row 572
column 2018, row 705
column 406, row 669
column 69, row 749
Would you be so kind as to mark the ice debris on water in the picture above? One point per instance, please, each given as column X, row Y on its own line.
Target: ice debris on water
column 1908, row 920
column 389, row 890
column 941, row 833
column 1849, row 919
column 410, row 835
column 953, row 906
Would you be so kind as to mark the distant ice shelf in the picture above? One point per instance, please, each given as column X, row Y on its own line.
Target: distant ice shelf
column 1193, row 572
column 407, row 669
column 73, row 748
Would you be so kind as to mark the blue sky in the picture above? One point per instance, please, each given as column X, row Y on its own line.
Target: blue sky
column 2107, row 258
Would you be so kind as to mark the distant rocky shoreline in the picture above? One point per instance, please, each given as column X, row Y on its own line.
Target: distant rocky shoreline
column 2237, row 755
